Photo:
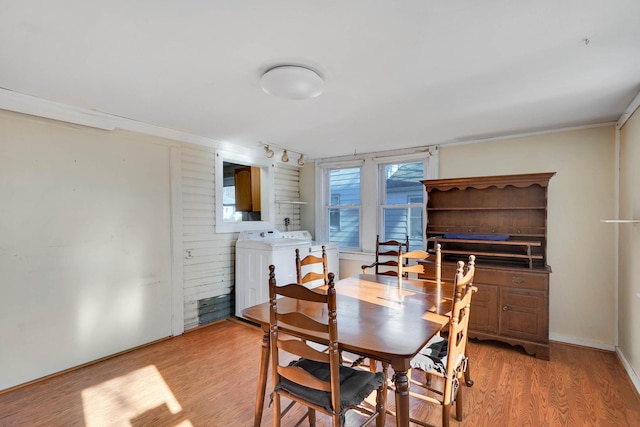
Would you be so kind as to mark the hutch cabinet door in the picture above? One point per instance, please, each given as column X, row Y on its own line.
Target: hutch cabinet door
column 484, row 309
column 524, row 315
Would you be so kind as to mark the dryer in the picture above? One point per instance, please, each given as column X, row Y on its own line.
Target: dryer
column 256, row 250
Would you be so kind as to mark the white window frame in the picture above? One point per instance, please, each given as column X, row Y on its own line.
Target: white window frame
column 370, row 208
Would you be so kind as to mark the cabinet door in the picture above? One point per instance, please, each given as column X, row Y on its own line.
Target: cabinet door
column 484, row 309
column 524, row 314
column 247, row 182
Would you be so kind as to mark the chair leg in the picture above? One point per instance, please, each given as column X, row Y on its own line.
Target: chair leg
column 381, row 398
column 427, row 379
column 459, row 405
column 335, row 420
column 312, row 417
column 358, row 362
column 467, row 375
column 276, row 410
column 445, row 415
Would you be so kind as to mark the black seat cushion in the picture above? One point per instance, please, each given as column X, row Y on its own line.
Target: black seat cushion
column 355, row 385
column 433, row 356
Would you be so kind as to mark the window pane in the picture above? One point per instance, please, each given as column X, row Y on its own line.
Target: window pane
column 402, row 222
column 403, row 183
column 404, row 189
column 334, row 219
column 396, row 224
column 344, row 185
column 347, row 228
column 416, row 228
column 344, row 222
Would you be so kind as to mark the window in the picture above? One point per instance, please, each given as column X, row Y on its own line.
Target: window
column 402, row 202
column 371, row 195
column 343, row 210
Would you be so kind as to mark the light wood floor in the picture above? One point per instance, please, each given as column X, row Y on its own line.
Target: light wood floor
column 207, row 378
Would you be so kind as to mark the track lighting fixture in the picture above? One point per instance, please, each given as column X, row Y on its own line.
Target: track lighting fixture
column 268, row 151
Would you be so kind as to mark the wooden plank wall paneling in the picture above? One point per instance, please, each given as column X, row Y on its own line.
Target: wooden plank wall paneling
column 209, row 259
column 287, row 183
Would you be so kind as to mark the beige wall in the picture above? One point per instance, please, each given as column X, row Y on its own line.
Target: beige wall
column 85, row 244
column 629, row 244
column 580, row 247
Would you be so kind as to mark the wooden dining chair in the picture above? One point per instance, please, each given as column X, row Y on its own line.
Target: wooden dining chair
column 386, row 261
column 438, row 279
column 312, row 270
column 405, row 266
column 446, row 358
column 403, row 269
column 315, row 379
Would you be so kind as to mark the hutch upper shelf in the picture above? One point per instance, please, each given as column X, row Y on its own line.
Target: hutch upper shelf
column 499, row 218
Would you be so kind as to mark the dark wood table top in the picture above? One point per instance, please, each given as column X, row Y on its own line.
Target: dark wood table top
column 378, row 316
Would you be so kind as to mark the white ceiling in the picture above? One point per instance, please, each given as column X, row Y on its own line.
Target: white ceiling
column 398, row 74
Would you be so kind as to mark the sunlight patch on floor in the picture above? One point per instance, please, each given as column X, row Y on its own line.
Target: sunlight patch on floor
column 139, row 394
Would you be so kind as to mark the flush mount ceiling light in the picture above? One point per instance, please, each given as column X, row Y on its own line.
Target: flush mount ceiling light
column 292, row 82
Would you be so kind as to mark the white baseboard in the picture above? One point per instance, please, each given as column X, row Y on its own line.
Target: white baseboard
column 582, row 342
column 627, row 367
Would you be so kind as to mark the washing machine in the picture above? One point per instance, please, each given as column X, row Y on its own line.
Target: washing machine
column 256, row 250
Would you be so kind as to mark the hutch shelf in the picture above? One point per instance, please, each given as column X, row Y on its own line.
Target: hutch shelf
column 502, row 220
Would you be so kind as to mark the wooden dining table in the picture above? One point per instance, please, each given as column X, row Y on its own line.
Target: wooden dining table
column 381, row 317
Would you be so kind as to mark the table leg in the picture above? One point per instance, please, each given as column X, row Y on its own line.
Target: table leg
column 262, row 379
column 401, row 381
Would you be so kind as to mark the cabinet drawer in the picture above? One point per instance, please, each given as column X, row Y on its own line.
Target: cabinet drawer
column 516, row 278
column 521, row 279
column 524, row 314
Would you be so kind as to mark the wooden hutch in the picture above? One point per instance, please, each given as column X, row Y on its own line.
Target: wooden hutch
column 502, row 220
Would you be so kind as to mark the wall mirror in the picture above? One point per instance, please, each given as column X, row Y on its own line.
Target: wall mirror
column 244, row 192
